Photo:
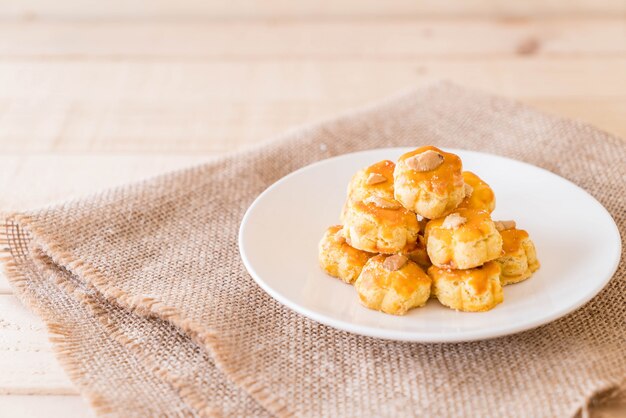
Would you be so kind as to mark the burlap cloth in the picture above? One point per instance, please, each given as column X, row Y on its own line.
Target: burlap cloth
column 153, row 314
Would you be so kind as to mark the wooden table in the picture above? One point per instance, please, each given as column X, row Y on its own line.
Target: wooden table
column 98, row 94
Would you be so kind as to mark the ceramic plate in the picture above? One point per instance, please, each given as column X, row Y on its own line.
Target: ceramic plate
column 577, row 241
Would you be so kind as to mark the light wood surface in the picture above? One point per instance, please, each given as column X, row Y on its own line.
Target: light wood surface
column 280, row 9
column 97, row 94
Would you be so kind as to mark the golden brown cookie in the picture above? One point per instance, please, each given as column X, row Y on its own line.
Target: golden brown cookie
column 429, row 181
column 472, row 290
column 478, row 194
column 392, row 284
column 519, row 258
column 371, row 183
column 339, row 259
column 464, row 239
column 379, row 225
column 375, row 180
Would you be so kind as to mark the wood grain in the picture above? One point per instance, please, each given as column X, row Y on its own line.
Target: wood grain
column 219, row 106
column 38, row 406
column 306, row 9
column 476, row 39
column 28, row 364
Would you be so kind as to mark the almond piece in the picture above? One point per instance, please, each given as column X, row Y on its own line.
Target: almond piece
column 375, row 178
column 394, row 262
column 504, row 225
column 454, row 220
column 426, row 161
column 382, row 202
column 468, row 190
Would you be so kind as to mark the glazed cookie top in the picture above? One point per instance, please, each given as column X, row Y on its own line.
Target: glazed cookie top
column 375, row 180
column 382, row 168
column 512, row 240
column 463, row 225
column 432, row 169
column 477, row 278
column 387, row 212
column 478, row 194
column 394, row 272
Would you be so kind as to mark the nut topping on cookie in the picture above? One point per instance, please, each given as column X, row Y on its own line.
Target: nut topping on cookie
column 375, row 178
column 452, row 221
column 504, row 225
column 382, row 202
column 395, row 262
column 426, row 161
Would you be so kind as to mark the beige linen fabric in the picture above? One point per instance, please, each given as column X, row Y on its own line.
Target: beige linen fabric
column 153, row 313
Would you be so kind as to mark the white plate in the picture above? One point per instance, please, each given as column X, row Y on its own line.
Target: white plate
column 578, row 245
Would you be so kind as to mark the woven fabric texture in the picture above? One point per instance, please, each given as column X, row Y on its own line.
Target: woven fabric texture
column 153, row 314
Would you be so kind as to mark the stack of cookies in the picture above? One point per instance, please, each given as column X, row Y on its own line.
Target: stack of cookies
column 422, row 228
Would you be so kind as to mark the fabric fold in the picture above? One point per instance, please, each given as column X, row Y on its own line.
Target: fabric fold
column 153, row 314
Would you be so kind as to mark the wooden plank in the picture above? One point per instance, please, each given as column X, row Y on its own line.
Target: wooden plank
column 186, row 106
column 281, row 9
column 38, row 180
column 38, row 406
column 28, row 364
column 202, row 83
column 477, row 38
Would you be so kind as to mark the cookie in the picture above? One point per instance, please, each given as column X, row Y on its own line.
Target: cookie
column 478, row 194
column 392, row 284
column 429, row 182
column 519, row 258
column 339, row 259
column 465, row 239
column 473, row 290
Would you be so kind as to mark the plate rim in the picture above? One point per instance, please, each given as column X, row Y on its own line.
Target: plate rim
column 417, row 337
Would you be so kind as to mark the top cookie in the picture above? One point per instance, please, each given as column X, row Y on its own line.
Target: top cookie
column 374, row 221
column 429, row 181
